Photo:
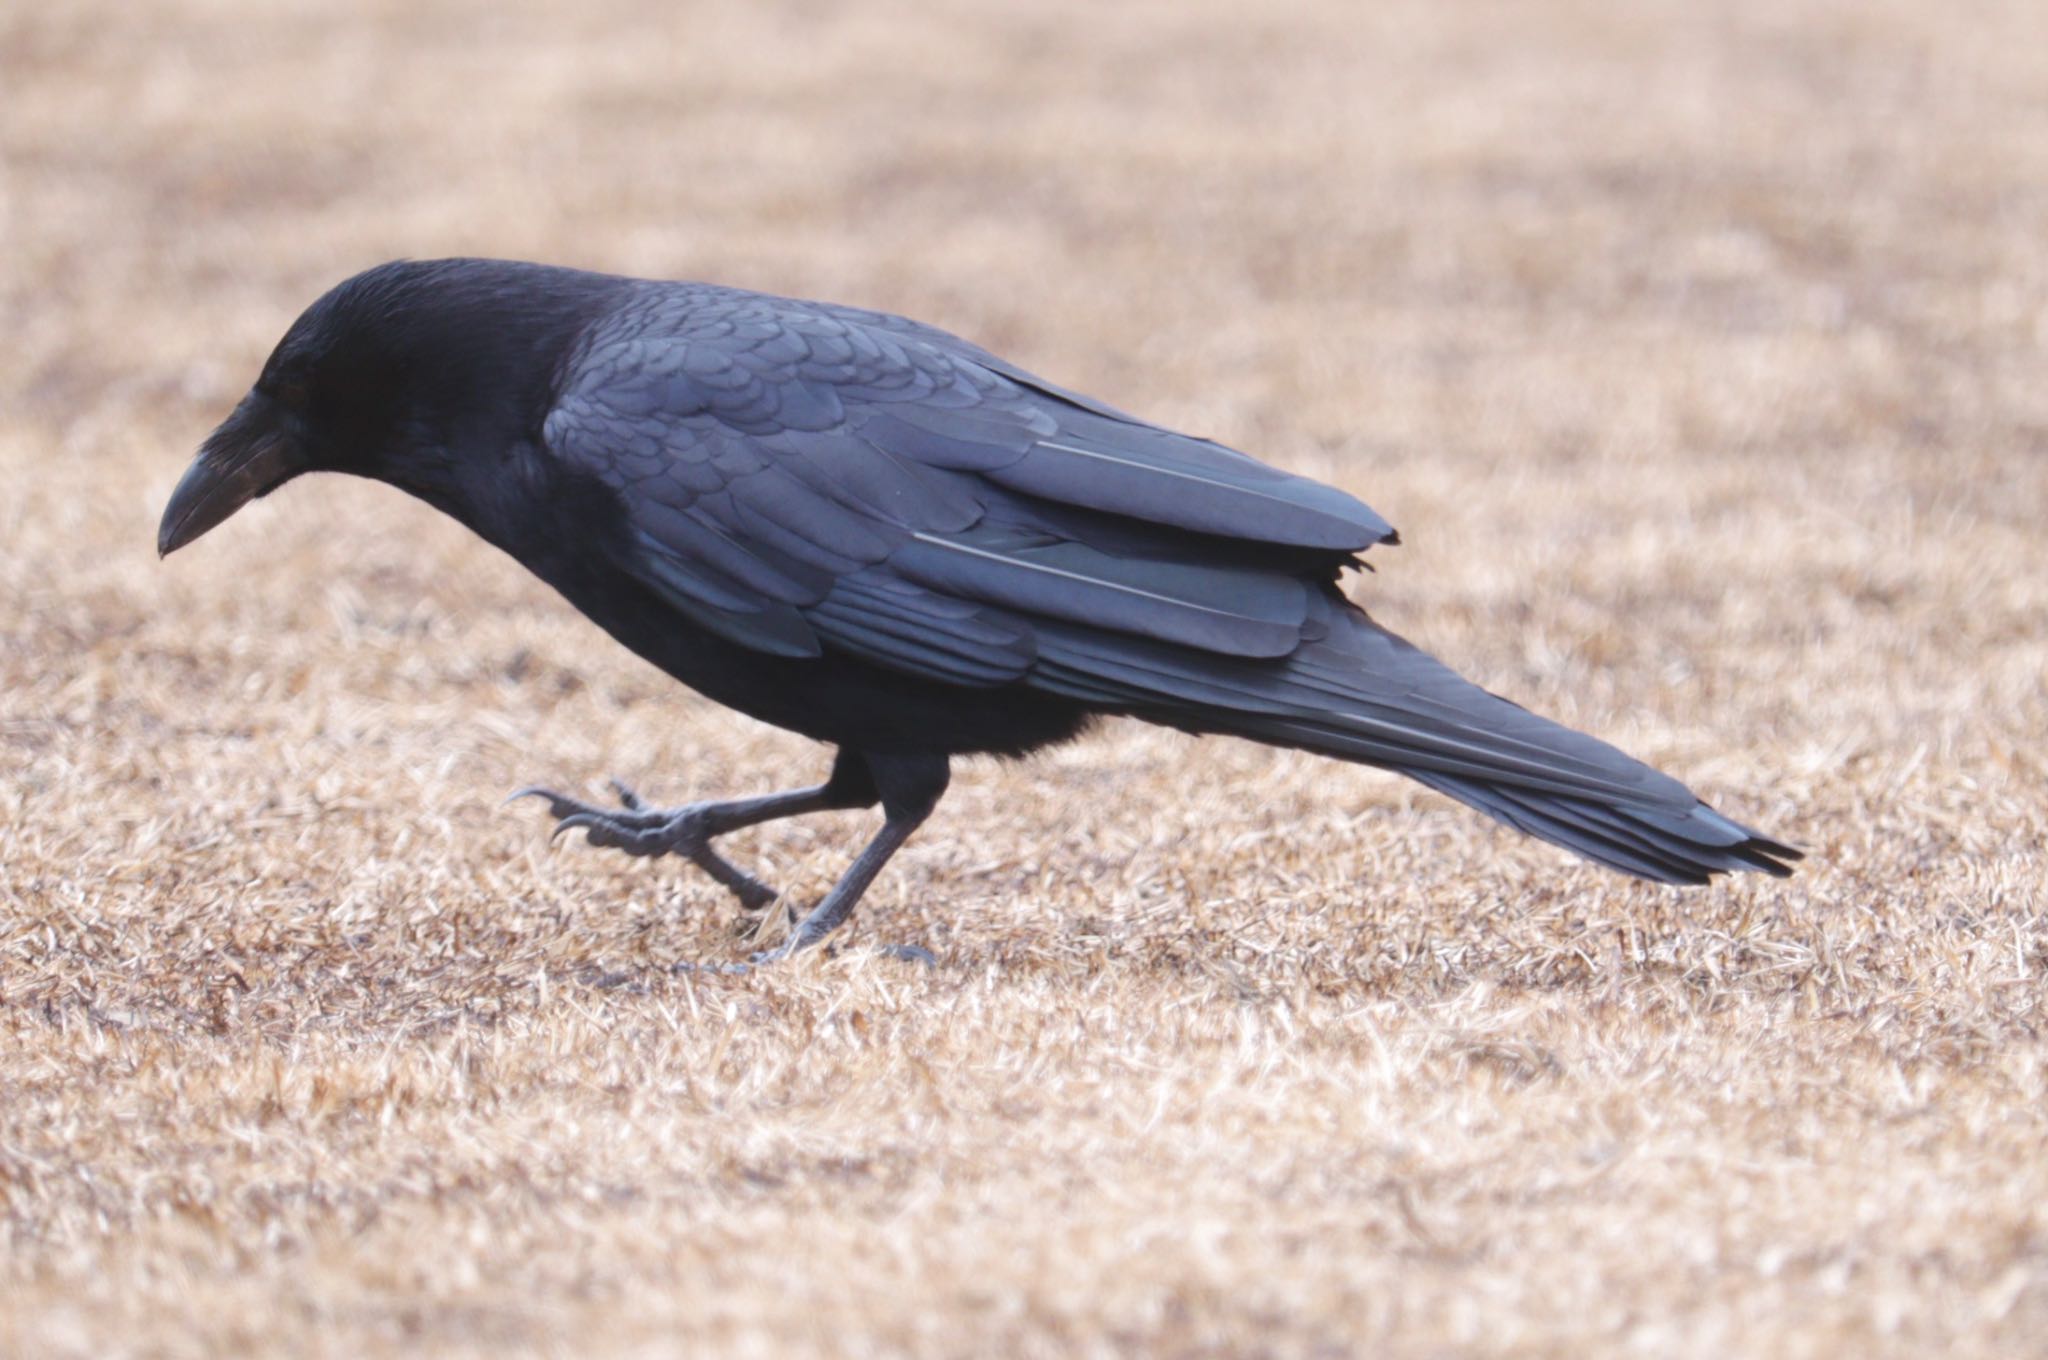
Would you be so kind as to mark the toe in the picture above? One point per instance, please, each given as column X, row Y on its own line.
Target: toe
column 591, row 823
column 559, row 805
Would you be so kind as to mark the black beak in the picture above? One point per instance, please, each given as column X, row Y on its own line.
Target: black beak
column 248, row 456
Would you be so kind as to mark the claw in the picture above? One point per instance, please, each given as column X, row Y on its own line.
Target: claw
column 649, row 833
column 587, row 821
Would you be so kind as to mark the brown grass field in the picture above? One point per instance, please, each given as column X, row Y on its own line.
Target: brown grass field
column 1700, row 353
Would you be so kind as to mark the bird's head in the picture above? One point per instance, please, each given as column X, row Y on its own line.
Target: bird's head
column 397, row 374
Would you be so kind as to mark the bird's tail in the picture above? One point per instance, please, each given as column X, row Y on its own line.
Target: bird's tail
column 1358, row 692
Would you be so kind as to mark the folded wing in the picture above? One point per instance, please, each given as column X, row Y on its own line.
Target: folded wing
column 799, row 479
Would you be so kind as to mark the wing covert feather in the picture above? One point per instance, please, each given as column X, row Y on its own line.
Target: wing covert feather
column 802, row 478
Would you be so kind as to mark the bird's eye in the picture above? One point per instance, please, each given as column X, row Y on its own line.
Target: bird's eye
column 291, row 392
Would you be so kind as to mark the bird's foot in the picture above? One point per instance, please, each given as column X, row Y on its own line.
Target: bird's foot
column 646, row 832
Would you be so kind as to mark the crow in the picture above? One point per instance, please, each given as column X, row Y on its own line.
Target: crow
column 871, row 532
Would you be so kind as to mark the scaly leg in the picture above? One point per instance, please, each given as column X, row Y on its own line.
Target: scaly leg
column 909, row 787
column 688, row 831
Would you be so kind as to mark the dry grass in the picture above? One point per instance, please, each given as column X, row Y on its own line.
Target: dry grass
column 1701, row 352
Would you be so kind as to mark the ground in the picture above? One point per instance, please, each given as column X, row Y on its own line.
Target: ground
column 1699, row 352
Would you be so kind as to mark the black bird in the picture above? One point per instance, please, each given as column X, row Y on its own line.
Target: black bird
column 874, row 533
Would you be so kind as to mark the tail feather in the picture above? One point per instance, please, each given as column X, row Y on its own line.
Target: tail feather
column 1360, row 693
column 1624, row 838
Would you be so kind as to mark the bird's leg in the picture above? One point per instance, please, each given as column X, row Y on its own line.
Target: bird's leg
column 688, row 831
column 909, row 788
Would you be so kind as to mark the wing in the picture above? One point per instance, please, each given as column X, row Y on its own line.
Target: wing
column 801, row 479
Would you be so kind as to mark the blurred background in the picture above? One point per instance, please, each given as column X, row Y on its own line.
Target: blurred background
column 1612, row 265
column 1697, row 351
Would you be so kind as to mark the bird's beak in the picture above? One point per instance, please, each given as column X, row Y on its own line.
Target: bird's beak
column 250, row 455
